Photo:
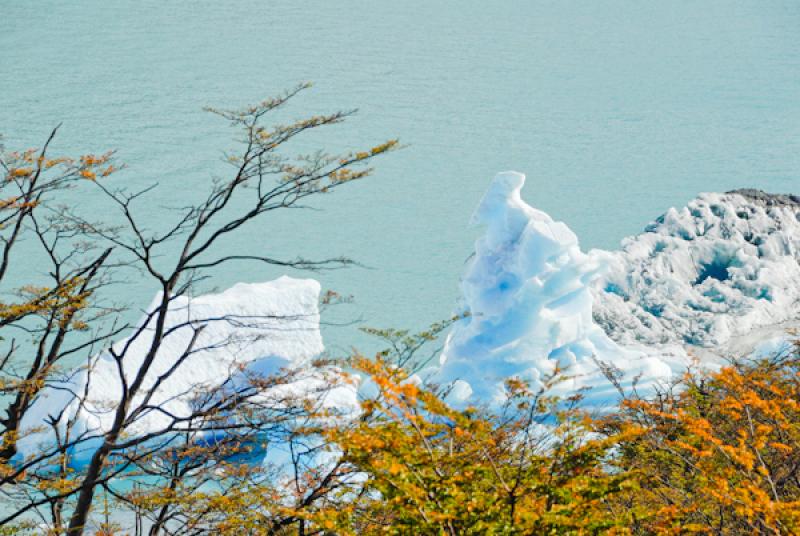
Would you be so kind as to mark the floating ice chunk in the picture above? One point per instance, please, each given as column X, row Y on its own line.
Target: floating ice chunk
column 706, row 274
column 527, row 294
column 256, row 328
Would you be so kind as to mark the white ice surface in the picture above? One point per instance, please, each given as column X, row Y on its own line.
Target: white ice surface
column 527, row 290
column 704, row 275
column 257, row 328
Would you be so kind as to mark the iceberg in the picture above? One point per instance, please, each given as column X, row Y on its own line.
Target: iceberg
column 705, row 275
column 527, row 301
column 249, row 329
column 707, row 282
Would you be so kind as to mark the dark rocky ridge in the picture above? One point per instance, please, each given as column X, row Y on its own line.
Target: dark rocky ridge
column 785, row 200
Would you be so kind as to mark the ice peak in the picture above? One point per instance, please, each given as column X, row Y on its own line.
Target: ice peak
column 527, row 293
column 502, row 208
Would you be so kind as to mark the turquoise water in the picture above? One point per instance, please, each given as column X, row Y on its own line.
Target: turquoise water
column 615, row 110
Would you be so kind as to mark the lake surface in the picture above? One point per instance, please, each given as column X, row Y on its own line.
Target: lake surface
column 615, row 111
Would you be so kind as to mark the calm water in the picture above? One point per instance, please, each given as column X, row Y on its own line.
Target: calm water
column 615, row 110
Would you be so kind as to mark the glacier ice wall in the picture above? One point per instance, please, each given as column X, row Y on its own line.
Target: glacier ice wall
column 527, row 293
column 249, row 328
column 705, row 274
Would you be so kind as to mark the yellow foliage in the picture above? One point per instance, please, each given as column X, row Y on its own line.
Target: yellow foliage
column 719, row 455
column 21, row 172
